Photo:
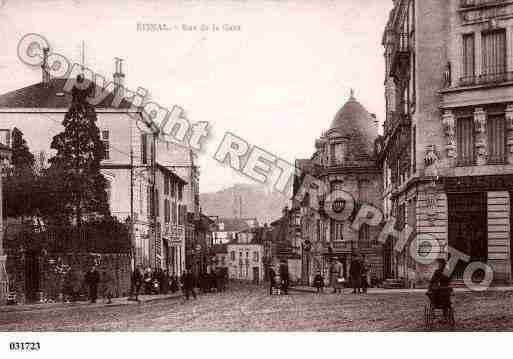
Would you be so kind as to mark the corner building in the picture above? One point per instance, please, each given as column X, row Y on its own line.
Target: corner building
column 447, row 148
column 344, row 160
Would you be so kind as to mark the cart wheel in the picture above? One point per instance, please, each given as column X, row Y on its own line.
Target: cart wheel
column 452, row 321
column 427, row 317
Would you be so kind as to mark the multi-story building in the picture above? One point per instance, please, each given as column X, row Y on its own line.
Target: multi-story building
column 245, row 257
column 169, row 248
column 447, row 150
column 39, row 109
column 344, row 160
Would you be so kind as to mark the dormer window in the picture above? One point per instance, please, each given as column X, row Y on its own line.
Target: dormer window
column 338, row 152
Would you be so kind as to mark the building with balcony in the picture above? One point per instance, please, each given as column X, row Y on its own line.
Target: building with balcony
column 344, row 160
column 447, row 146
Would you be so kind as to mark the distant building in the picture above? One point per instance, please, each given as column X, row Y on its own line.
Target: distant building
column 226, row 229
column 245, row 256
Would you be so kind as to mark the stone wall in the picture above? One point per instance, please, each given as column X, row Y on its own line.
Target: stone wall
column 36, row 276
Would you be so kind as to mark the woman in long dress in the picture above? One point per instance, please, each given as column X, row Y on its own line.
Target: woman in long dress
column 336, row 270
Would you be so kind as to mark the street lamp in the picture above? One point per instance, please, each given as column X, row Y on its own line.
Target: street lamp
column 5, row 159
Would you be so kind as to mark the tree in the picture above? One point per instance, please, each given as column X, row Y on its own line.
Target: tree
column 22, row 158
column 74, row 174
column 20, row 192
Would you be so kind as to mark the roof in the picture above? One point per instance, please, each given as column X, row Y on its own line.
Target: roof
column 52, row 95
column 355, row 123
column 169, row 172
column 233, row 224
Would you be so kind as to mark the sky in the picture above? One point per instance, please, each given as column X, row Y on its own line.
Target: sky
column 276, row 79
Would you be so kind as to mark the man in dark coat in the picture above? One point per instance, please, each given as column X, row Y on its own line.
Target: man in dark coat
column 284, row 275
column 272, row 280
column 188, row 284
column 355, row 271
column 92, row 278
column 137, row 280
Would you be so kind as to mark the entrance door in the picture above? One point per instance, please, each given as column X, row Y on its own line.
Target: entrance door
column 31, row 275
column 468, row 227
column 256, row 275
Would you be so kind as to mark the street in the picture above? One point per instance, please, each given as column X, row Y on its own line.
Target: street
column 250, row 308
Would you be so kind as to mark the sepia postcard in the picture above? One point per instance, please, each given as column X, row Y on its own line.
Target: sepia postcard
column 254, row 166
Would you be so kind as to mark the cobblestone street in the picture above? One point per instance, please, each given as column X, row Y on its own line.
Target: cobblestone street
column 249, row 308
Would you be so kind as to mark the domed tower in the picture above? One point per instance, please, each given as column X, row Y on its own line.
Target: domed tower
column 351, row 136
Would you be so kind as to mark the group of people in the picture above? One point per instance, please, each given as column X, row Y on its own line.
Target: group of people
column 279, row 282
column 358, row 276
column 160, row 282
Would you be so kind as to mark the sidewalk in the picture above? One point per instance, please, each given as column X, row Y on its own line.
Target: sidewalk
column 327, row 290
column 81, row 304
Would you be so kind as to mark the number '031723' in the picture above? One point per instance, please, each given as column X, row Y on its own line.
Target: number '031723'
column 24, row 346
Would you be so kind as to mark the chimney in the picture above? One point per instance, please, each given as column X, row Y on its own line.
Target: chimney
column 119, row 78
column 44, row 67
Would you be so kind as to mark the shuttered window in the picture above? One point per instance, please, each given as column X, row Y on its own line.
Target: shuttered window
column 496, row 139
column 465, row 141
column 468, row 56
column 494, row 55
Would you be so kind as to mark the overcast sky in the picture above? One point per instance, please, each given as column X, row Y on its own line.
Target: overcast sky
column 277, row 82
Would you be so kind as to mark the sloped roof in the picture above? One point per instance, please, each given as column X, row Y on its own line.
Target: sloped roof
column 52, row 95
column 233, row 224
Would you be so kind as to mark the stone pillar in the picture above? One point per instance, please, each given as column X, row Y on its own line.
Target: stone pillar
column 449, row 123
column 480, row 137
column 509, row 131
column 478, row 54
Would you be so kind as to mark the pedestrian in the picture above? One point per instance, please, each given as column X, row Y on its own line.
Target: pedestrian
column 364, row 275
column 174, row 284
column 318, row 282
column 355, row 272
column 106, row 287
column 148, row 281
column 337, row 278
column 137, row 280
column 284, row 276
column 92, row 279
column 188, row 284
column 272, row 280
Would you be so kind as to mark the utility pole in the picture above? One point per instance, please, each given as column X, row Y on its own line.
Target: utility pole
column 132, row 234
column 154, row 188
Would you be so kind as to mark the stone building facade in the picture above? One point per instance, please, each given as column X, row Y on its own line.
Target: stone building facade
column 447, row 147
column 345, row 160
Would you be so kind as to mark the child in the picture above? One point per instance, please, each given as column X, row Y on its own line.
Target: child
column 319, row 282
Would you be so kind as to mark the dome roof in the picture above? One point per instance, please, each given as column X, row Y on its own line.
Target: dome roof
column 354, row 122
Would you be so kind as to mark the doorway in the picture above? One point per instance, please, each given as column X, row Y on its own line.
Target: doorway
column 467, row 215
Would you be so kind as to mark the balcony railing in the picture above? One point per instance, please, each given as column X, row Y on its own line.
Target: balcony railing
column 473, row 3
column 486, row 79
column 400, row 48
column 393, row 121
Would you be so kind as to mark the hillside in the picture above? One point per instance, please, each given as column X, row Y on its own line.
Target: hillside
column 255, row 201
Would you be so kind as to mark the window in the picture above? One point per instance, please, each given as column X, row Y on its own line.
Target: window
column 496, row 132
column 144, row 148
column 106, row 147
column 468, row 57
column 166, row 211
column 108, row 189
column 166, row 185
column 465, row 141
column 174, row 214
column 173, row 188
column 494, row 56
column 157, row 203
column 180, row 191
column 337, row 231
column 364, row 236
column 414, row 150
column 141, row 198
column 149, row 201
column 256, row 257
